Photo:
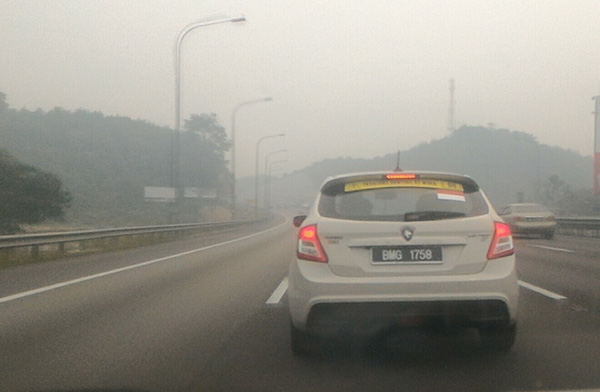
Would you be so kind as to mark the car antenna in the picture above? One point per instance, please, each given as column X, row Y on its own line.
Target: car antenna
column 398, row 162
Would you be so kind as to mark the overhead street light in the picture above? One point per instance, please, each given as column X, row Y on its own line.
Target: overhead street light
column 256, row 171
column 241, row 104
column 175, row 163
column 267, row 167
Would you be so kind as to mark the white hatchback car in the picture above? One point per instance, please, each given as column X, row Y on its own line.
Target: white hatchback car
column 385, row 248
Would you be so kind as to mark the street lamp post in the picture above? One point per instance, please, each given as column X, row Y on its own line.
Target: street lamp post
column 267, row 167
column 256, row 171
column 268, row 182
column 267, row 99
column 175, row 158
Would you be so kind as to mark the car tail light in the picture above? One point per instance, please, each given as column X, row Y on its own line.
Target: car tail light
column 309, row 245
column 502, row 243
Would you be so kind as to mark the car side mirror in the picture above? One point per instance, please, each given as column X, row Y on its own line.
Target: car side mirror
column 298, row 220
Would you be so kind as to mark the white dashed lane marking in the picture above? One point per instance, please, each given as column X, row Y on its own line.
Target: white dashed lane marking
column 279, row 292
column 554, row 249
column 544, row 292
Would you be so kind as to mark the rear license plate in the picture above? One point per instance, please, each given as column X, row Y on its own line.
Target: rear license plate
column 400, row 254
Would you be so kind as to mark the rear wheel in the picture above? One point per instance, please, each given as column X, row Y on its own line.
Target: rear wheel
column 498, row 338
column 302, row 342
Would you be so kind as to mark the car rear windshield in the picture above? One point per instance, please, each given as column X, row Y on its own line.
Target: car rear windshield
column 531, row 208
column 400, row 203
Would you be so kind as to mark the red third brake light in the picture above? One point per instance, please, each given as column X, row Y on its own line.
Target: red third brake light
column 400, row 176
column 502, row 243
column 309, row 246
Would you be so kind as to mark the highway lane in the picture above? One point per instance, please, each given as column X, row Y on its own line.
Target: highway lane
column 30, row 276
column 569, row 266
column 200, row 322
column 558, row 344
column 152, row 327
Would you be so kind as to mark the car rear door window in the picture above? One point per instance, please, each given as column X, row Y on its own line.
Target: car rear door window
column 400, row 204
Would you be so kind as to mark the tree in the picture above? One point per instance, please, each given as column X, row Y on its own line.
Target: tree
column 582, row 202
column 555, row 190
column 28, row 195
column 207, row 126
column 204, row 144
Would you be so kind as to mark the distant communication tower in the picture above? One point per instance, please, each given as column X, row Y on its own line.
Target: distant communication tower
column 451, row 108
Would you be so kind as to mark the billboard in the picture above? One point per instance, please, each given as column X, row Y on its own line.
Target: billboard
column 160, row 194
column 167, row 195
column 200, row 193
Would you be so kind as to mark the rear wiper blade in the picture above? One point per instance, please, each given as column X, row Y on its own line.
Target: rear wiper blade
column 431, row 215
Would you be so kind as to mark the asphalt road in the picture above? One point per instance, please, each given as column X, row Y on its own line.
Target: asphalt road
column 205, row 314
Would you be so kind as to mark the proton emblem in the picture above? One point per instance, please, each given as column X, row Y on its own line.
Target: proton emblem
column 407, row 233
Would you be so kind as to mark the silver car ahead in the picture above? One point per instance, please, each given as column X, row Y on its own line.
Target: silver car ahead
column 529, row 218
column 382, row 249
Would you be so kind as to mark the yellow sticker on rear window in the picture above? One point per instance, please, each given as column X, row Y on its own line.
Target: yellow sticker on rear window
column 379, row 184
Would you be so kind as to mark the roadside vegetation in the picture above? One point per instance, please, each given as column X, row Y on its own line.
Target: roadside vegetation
column 106, row 162
column 28, row 195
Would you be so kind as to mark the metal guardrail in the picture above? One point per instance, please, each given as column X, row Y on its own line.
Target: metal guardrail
column 15, row 241
column 579, row 226
column 58, row 240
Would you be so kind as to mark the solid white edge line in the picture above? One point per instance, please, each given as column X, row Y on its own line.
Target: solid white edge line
column 569, row 390
column 130, row 267
column 551, row 248
column 279, row 292
column 542, row 291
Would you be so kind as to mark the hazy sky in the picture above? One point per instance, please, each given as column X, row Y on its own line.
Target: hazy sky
column 348, row 78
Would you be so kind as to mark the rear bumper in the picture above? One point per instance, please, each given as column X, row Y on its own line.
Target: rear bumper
column 533, row 227
column 369, row 317
column 323, row 302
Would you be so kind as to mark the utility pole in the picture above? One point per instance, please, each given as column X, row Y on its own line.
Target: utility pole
column 451, row 108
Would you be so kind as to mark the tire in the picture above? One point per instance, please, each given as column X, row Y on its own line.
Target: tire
column 497, row 338
column 549, row 235
column 302, row 343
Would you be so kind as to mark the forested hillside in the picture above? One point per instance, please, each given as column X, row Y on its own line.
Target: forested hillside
column 511, row 166
column 106, row 161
